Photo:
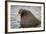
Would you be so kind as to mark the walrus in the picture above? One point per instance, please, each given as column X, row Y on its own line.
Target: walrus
column 28, row 19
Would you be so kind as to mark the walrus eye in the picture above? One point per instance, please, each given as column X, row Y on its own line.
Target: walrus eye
column 22, row 14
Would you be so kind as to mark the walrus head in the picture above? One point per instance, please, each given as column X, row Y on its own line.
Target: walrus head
column 23, row 12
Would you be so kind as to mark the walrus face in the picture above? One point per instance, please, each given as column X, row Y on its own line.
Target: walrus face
column 23, row 12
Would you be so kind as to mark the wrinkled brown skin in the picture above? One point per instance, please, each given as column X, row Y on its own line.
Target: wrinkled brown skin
column 28, row 19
